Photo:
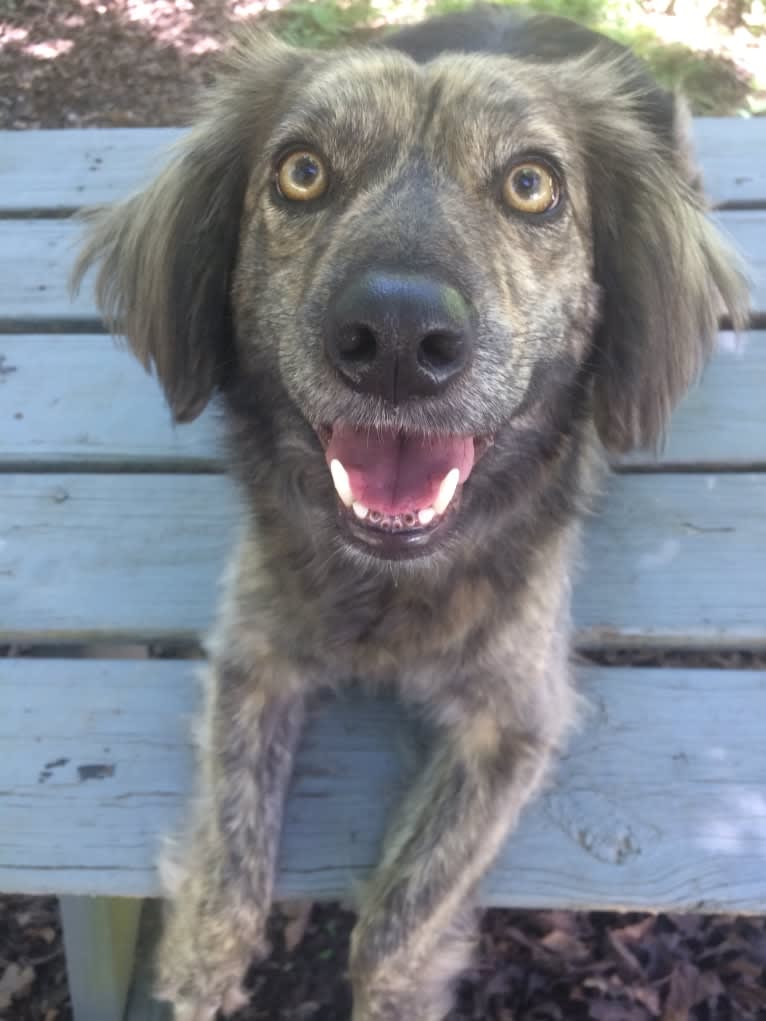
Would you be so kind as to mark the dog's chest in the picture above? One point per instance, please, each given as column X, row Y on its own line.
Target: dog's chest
column 413, row 631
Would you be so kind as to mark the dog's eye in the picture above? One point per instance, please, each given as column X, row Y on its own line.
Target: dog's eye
column 531, row 187
column 301, row 177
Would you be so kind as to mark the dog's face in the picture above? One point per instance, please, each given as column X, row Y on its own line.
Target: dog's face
column 420, row 281
column 415, row 261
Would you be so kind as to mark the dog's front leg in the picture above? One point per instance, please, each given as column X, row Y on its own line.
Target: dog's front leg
column 223, row 883
column 410, row 941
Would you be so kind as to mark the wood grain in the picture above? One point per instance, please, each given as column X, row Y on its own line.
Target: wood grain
column 78, row 402
column 36, row 258
column 672, row 559
column 95, row 165
column 658, row 803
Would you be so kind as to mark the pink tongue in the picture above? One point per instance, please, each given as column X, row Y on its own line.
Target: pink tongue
column 394, row 473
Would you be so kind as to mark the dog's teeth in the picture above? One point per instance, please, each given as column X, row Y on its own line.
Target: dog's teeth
column 360, row 510
column 426, row 516
column 447, row 490
column 342, row 484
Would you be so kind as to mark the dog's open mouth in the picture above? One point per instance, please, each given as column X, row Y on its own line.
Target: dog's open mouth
column 396, row 490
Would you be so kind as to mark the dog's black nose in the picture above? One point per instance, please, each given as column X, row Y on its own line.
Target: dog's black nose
column 399, row 335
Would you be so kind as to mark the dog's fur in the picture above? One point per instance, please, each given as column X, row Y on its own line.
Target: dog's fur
column 590, row 326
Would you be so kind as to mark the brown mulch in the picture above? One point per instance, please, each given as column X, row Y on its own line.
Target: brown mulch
column 531, row 966
column 124, row 63
column 544, row 966
column 33, row 985
column 117, row 63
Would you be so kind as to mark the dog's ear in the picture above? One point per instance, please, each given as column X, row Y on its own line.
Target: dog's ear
column 166, row 255
column 665, row 271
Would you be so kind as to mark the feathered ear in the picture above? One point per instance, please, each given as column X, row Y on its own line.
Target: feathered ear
column 666, row 273
column 166, row 255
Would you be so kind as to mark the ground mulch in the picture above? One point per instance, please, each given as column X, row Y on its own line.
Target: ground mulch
column 125, row 63
column 33, row 985
column 530, row 966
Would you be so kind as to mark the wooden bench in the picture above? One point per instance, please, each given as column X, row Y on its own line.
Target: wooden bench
column 113, row 527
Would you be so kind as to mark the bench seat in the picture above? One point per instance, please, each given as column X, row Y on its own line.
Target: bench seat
column 113, row 530
column 659, row 801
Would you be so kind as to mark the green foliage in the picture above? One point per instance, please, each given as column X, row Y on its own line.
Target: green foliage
column 589, row 12
column 712, row 84
column 321, row 22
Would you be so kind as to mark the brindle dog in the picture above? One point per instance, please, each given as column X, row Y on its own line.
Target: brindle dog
column 429, row 281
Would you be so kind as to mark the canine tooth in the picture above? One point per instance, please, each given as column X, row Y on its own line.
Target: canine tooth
column 447, row 490
column 342, row 485
column 426, row 516
column 360, row 510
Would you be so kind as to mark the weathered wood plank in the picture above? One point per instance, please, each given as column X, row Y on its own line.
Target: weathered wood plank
column 673, row 560
column 142, row 1006
column 76, row 401
column 100, row 940
column 57, row 171
column 79, row 400
column 730, row 152
column 723, row 420
column 95, row 764
column 96, row 165
column 36, row 257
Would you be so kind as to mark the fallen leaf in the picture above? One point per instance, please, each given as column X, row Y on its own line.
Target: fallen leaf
column 14, row 983
column 305, row 1011
column 631, row 964
column 297, row 914
column 617, row 1010
column 687, row 989
column 566, row 944
column 647, row 997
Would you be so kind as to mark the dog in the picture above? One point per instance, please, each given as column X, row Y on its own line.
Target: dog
column 432, row 282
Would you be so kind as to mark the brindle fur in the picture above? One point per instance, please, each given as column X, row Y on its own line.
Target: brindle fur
column 591, row 325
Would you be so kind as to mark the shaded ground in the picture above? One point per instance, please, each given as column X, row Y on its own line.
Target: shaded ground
column 87, row 63
column 532, row 966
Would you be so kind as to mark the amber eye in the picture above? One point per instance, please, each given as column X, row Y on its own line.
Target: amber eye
column 301, row 176
column 531, row 187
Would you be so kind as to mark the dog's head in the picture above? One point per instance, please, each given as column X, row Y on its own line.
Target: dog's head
column 424, row 273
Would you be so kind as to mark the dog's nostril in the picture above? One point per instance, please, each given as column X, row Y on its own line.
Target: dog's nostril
column 439, row 351
column 357, row 344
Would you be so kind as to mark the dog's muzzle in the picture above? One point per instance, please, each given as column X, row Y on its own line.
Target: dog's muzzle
column 400, row 338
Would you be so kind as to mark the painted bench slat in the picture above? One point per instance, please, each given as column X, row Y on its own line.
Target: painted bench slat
column 675, row 559
column 91, row 166
column 80, row 401
column 76, row 401
column 96, row 166
column 36, row 256
column 95, row 764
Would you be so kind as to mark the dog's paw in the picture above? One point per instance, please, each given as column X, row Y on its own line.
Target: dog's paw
column 206, row 1007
